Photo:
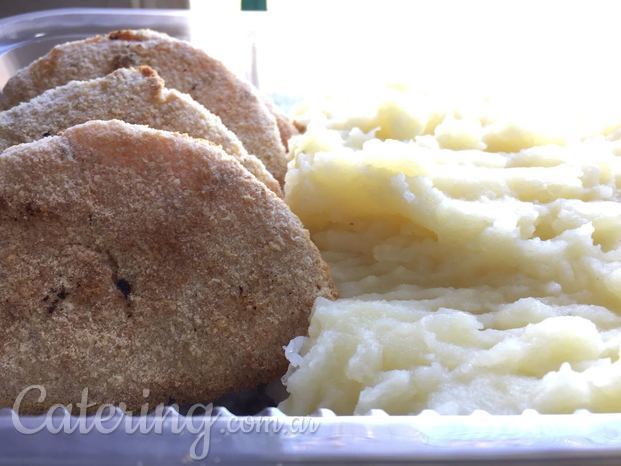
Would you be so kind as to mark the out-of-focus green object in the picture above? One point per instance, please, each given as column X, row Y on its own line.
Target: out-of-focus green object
column 254, row 5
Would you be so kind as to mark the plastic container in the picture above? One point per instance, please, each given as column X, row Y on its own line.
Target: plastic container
column 272, row 437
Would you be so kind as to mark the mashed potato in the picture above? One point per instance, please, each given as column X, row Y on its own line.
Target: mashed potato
column 479, row 263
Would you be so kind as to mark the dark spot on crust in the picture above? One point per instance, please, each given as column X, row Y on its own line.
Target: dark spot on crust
column 121, row 284
column 31, row 209
column 124, row 61
column 193, row 87
column 61, row 294
column 46, row 134
column 241, row 290
column 124, row 287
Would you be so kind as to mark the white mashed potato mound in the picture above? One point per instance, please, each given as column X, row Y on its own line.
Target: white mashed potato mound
column 479, row 263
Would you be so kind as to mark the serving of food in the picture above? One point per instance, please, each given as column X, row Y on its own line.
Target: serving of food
column 146, row 265
column 477, row 262
column 164, row 227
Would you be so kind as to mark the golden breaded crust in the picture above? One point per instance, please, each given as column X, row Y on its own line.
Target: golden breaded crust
column 181, row 65
column 133, row 95
column 133, row 259
column 286, row 127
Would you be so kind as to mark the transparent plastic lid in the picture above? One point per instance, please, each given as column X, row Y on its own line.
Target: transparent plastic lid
column 26, row 37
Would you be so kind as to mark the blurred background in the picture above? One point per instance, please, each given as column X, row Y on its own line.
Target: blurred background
column 560, row 55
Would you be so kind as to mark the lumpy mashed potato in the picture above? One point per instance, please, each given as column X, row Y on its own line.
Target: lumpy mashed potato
column 479, row 263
